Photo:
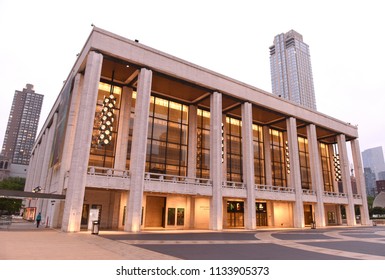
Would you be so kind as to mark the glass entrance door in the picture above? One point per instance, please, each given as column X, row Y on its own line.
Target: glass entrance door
column 308, row 214
column 261, row 214
column 235, row 214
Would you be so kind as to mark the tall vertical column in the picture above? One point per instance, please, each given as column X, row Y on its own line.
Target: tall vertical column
column 360, row 180
column 192, row 156
column 192, row 141
column 295, row 172
column 316, row 173
column 31, row 171
column 267, row 156
column 40, row 160
column 248, row 164
column 123, row 129
column 35, row 174
column 69, row 139
column 81, row 147
column 216, row 211
column 47, row 154
column 138, row 152
column 44, row 178
column 346, row 182
column 224, row 147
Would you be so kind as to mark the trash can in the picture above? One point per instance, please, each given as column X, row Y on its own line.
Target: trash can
column 313, row 225
column 95, row 227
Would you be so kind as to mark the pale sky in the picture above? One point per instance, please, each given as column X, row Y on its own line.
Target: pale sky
column 40, row 40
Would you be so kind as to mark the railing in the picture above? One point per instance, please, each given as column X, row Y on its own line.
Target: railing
column 357, row 196
column 269, row 188
column 176, row 179
column 308, row 192
column 6, row 221
column 334, row 194
column 109, row 172
column 233, row 185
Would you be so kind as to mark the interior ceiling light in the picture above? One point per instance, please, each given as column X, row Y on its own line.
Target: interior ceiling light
column 107, row 117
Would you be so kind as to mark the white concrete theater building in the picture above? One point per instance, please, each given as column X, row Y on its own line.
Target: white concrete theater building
column 139, row 139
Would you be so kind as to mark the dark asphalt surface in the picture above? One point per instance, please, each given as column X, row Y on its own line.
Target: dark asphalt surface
column 307, row 244
column 224, row 236
column 237, row 252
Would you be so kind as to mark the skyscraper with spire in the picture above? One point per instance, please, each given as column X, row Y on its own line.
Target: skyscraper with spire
column 291, row 72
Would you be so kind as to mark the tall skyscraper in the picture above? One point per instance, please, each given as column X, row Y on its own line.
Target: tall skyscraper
column 374, row 159
column 370, row 181
column 291, row 72
column 22, row 126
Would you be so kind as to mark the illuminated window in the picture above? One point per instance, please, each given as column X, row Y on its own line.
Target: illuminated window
column 326, row 167
column 278, row 165
column 203, row 144
column 259, row 164
column 304, row 163
column 167, row 137
column 234, row 149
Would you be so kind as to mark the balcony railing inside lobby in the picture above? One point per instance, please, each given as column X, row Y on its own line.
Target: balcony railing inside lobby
column 166, row 178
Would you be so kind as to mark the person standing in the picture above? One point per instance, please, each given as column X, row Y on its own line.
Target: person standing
column 38, row 219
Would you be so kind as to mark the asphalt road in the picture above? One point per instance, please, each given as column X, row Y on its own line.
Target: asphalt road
column 339, row 243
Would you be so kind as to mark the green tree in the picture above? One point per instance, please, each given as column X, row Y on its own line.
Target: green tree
column 370, row 201
column 378, row 210
column 10, row 205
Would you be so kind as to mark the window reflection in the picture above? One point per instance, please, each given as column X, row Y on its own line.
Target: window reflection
column 259, row 166
column 326, row 167
column 234, row 149
column 167, row 137
column 203, row 144
column 304, row 162
column 277, row 158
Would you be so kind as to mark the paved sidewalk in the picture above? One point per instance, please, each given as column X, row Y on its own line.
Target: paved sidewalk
column 23, row 241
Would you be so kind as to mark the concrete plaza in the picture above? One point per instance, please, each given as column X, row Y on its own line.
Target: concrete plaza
column 23, row 241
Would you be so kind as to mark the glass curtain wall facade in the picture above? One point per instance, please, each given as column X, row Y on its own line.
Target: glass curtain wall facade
column 259, row 159
column 291, row 71
column 278, row 164
column 203, row 144
column 326, row 168
column 234, row 149
column 304, row 163
column 167, row 137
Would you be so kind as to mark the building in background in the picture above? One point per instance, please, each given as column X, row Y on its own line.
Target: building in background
column 380, row 184
column 139, row 139
column 381, row 175
column 291, row 71
column 370, row 181
column 373, row 158
column 21, row 132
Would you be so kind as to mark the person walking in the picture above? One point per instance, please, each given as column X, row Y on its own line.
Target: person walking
column 38, row 219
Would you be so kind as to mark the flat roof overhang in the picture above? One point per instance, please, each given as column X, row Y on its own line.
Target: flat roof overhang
column 191, row 84
column 126, row 74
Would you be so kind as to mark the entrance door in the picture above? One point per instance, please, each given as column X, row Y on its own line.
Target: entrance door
column 235, row 214
column 85, row 213
column 261, row 214
column 308, row 212
column 155, row 211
